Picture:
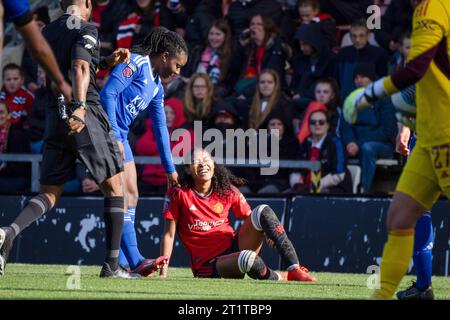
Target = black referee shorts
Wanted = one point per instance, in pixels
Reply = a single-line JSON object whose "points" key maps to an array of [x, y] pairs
{"points": [[95, 146]]}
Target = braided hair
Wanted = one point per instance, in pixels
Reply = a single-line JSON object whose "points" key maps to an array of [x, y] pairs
{"points": [[161, 40]]}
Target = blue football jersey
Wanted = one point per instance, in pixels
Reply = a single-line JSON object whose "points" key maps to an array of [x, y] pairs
{"points": [[130, 89]]}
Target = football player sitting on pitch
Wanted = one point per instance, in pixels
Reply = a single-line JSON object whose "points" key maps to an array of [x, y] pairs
{"points": [[198, 212]]}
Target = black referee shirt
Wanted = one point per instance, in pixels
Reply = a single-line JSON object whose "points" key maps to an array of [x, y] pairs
{"points": [[72, 38]]}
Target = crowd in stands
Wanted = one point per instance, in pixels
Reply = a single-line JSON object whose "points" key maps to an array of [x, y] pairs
{"points": [[281, 65]]}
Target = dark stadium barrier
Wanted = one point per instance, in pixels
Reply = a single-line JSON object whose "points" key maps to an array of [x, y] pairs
{"points": [[334, 234]]}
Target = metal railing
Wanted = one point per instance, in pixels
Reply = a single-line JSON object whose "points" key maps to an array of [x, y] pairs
{"points": [[35, 160]]}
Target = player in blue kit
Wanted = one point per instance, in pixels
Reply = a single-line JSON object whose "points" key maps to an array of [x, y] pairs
{"points": [[423, 236], [130, 89]]}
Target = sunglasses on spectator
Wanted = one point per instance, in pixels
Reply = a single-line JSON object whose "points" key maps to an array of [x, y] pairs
{"points": [[319, 122]]}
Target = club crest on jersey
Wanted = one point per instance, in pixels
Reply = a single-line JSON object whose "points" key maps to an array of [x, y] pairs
{"points": [[218, 207], [127, 72]]}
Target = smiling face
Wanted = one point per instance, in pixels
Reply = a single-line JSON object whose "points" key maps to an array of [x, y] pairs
{"points": [[4, 114], [202, 167], [170, 66], [266, 85], [216, 38]]}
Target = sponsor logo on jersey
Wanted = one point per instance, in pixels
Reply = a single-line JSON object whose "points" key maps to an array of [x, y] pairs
{"points": [[136, 105], [205, 225]]}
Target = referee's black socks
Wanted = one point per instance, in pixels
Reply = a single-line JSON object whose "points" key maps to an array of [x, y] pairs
{"points": [[35, 208], [113, 215]]}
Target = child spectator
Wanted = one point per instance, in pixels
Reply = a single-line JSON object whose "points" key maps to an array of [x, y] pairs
{"points": [[309, 13], [14, 176], [15, 95], [360, 52], [373, 135]]}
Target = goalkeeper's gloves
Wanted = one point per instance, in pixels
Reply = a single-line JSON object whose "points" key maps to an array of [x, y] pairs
{"points": [[362, 98]]}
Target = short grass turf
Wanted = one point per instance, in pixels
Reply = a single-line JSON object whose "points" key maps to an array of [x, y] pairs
{"points": [[26, 281]]}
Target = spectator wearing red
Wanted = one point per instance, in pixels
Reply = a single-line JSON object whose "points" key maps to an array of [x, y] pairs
{"points": [[15, 95], [14, 176], [153, 177]]}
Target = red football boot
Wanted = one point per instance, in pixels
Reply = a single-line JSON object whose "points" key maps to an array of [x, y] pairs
{"points": [[148, 266], [300, 274]]}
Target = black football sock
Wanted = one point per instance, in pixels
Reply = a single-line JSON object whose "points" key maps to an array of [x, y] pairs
{"points": [[35, 208], [264, 219], [252, 264], [113, 215]]}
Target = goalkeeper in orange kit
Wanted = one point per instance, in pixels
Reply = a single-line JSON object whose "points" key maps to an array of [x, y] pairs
{"points": [[427, 172]]}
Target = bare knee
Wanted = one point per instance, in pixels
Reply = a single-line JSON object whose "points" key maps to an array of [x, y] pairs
{"points": [[403, 212], [52, 193], [112, 187]]}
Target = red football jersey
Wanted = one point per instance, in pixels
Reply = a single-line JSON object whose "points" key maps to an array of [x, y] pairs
{"points": [[202, 222], [20, 105]]}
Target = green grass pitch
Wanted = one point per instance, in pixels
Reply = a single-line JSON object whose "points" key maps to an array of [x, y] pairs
{"points": [[26, 281]]}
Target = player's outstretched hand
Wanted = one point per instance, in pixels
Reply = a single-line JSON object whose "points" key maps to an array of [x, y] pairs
{"points": [[351, 104], [76, 121], [118, 56], [172, 180]]}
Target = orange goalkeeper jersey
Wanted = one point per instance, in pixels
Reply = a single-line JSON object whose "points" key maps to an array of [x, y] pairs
{"points": [[428, 66]]}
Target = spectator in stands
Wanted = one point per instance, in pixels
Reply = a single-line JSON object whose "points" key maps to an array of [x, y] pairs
{"points": [[198, 98], [268, 97], [396, 20], [309, 13], [373, 135], [327, 92], [240, 12], [398, 59], [147, 14], [18, 98], [14, 176], [29, 65], [132, 30], [346, 11], [259, 47], [153, 177], [311, 63], [106, 16], [325, 147], [278, 124], [213, 58], [199, 23], [36, 118], [360, 52]]}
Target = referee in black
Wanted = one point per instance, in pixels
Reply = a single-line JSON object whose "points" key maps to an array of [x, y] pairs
{"points": [[80, 130]]}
